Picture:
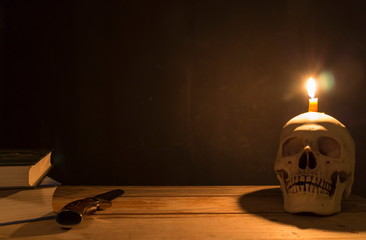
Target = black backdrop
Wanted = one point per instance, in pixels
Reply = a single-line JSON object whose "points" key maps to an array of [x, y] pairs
{"points": [[175, 92]]}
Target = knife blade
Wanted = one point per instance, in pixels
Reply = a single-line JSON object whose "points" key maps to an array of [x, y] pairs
{"points": [[73, 213]]}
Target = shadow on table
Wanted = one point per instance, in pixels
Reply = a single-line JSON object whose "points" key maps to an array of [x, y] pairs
{"points": [[37, 228], [45, 228], [268, 204]]}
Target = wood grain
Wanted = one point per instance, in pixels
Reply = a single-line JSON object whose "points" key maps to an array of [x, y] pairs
{"points": [[212, 212], [188, 199]]}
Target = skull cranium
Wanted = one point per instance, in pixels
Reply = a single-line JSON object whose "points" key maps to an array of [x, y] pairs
{"points": [[315, 163]]}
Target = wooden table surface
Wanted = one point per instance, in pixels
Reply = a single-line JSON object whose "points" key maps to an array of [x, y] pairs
{"points": [[195, 213]]}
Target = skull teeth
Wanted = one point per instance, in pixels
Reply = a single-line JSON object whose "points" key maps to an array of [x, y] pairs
{"points": [[310, 184]]}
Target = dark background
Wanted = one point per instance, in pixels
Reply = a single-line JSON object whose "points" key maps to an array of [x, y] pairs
{"points": [[175, 92]]}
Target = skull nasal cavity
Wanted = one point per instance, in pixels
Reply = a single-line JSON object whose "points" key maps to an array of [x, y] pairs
{"points": [[307, 159]]}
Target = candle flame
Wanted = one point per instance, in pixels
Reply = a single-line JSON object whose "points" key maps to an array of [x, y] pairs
{"points": [[311, 87]]}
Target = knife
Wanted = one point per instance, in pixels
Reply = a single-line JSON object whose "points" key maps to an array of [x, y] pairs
{"points": [[73, 213]]}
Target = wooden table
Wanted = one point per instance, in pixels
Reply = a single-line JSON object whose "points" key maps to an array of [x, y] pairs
{"points": [[195, 213]]}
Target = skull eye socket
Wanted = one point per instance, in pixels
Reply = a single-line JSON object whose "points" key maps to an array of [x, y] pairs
{"points": [[329, 147], [291, 146]]}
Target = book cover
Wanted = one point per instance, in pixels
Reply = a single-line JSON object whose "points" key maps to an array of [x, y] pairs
{"points": [[22, 157]]}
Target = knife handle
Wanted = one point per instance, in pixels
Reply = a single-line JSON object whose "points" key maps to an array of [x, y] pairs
{"points": [[73, 213]]}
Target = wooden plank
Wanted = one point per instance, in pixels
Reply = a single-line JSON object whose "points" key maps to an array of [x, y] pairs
{"points": [[160, 191], [154, 200], [197, 227], [177, 213], [158, 205]]}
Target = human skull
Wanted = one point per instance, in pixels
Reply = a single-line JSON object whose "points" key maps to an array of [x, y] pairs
{"points": [[315, 164]]}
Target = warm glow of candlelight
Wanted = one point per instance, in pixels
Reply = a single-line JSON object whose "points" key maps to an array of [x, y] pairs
{"points": [[311, 87], [313, 102]]}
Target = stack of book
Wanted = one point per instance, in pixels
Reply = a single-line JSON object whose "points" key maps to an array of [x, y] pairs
{"points": [[25, 191]]}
